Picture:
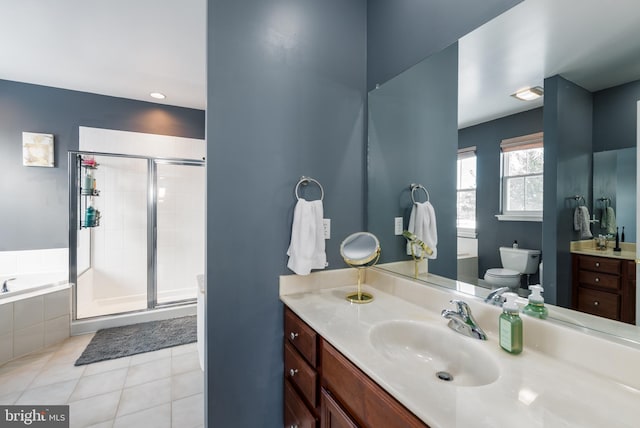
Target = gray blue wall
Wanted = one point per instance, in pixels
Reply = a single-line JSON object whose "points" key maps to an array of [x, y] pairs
{"points": [[492, 233], [286, 97], [35, 206], [412, 139], [568, 130], [402, 33], [615, 117]]}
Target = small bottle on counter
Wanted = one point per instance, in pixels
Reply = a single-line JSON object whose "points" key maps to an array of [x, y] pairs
{"points": [[515, 244], [510, 325], [535, 307], [622, 236]]}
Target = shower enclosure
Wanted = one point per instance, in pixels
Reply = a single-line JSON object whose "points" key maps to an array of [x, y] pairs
{"points": [[136, 232]]}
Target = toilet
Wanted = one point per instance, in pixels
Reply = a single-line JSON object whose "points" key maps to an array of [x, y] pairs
{"points": [[515, 262]]}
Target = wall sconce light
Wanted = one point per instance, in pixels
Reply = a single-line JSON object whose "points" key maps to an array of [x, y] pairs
{"points": [[529, 94]]}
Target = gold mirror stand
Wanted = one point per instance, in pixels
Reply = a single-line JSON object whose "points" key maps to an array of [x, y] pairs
{"points": [[359, 296]]}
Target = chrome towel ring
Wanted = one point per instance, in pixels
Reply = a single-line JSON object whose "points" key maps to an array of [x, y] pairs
{"points": [[305, 181], [415, 187]]}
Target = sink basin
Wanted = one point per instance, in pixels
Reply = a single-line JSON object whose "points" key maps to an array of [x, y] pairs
{"points": [[437, 353]]}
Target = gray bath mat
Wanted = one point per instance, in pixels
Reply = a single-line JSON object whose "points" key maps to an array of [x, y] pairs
{"points": [[118, 342]]}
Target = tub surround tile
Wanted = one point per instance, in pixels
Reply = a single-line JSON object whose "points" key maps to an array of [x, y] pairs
{"points": [[6, 318], [27, 340], [8, 263], [56, 330], [6, 347], [28, 312], [57, 304]]}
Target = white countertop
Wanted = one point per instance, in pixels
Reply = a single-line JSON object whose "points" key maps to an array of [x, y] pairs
{"points": [[534, 389]]}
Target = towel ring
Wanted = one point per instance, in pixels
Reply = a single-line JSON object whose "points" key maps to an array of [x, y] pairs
{"points": [[415, 187], [577, 198], [306, 180]]}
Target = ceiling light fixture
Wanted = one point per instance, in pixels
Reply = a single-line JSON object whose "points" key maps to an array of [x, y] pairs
{"points": [[157, 95], [529, 94]]}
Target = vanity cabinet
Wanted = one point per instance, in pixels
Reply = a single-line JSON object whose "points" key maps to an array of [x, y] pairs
{"points": [[604, 286], [323, 387], [301, 406]]}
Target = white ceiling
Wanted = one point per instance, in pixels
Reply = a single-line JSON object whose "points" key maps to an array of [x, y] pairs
{"points": [[129, 48], [122, 48], [593, 43]]}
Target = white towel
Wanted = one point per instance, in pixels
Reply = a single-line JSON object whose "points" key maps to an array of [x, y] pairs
{"points": [[611, 221], [306, 249], [422, 223], [581, 222]]}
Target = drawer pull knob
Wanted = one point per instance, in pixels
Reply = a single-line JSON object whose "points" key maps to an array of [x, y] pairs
{"points": [[293, 372], [597, 279], [597, 264], [293, 335], [596, 303]]}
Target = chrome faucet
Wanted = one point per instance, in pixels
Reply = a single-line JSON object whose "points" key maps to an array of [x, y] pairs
{"points": [[495, 297], [4, 285], [462, 321]]}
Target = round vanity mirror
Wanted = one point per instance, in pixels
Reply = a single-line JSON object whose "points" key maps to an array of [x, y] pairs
{"points": [[360, 250]]}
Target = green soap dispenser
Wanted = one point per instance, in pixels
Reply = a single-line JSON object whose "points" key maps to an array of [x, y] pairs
{"points": [[536, 307], [510, 325]]}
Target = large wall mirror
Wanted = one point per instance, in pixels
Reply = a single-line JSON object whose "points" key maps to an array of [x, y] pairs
{"points": [[450, 122]]}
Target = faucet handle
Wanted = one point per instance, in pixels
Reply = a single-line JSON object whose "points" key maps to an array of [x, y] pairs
{"points": [[462, 307]]}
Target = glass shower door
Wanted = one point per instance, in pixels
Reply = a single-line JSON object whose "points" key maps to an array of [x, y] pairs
{"points": [[180, 239], [112, 252]]}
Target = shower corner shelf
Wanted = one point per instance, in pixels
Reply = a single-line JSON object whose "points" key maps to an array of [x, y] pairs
{"points": [[86, 194]]}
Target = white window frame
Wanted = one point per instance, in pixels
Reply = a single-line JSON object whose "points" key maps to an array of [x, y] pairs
{"points": [[513, 144], [467, 232]]}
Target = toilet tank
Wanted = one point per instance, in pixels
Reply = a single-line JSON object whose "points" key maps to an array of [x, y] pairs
{"points": [[520, 259]]}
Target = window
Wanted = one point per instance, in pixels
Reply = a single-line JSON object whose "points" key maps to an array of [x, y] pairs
{"points": [[466, 186], [522, 178]]}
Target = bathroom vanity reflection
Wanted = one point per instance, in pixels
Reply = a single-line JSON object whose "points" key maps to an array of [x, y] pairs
{"points": [[394, 162]]}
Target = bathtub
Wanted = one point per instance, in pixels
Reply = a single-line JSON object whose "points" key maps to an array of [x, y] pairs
{"points": [[34, 314]]}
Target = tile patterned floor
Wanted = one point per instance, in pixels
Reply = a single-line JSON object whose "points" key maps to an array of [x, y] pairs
{"points": [[160, 389]]}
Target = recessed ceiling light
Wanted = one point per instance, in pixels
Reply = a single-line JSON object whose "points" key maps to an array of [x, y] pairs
{"points": [[529, 94], [157, 95]]}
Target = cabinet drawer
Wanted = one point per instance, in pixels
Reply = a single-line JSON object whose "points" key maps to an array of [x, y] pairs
{"points": [[600, 280], [332, 415], [600, 264], [367, 403], [296, 413], [301, 336], [599, 303], [299, 373]]}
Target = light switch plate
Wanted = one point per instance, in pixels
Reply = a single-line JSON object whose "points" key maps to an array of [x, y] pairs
{"points": [[327, 228], [398, 226]]}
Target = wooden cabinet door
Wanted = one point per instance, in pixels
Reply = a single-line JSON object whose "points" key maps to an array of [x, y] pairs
{"points": [[367, 403], [332, 415], [296, 413]]}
